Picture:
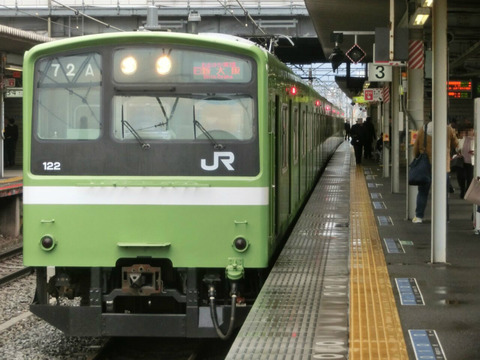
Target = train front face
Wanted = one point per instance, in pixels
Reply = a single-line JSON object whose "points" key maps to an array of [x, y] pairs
{"points": [[142, 185]]}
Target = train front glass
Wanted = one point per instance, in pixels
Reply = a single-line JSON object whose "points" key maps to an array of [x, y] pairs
{"points": [[145, 110]]}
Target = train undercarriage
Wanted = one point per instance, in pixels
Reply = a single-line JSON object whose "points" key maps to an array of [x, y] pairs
{"points": [[144, 299]]}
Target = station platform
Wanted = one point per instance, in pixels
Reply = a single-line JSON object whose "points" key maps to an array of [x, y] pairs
{"points": [[12, 182], [11, 190], [355, 281]]}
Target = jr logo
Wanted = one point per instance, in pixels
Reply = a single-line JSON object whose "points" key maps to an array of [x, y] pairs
{"points": [[226, 157]]}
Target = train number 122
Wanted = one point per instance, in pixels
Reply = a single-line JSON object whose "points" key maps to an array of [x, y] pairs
{"points": [[51, 166]]}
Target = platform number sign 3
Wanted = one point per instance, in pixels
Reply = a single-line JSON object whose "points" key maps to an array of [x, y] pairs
{"points": [[379, 72]]}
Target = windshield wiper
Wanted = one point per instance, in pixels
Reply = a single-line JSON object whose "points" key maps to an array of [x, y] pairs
{"points": [[205, 132], [145, 146], [125, 123]]}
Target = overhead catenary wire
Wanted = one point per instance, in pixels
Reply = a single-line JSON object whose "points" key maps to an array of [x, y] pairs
{"points": [[245, 11], [36, 16], [247, 14], [230, 11], [78, 12]]}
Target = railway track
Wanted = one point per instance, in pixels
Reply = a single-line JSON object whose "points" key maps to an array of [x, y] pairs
{"points": [[11, 266], [162, 348]]}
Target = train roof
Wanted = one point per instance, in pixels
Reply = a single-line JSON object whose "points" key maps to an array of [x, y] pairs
{"points": [[203, 38]]}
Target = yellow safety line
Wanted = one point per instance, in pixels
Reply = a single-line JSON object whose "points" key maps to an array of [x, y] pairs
{"points": [[375, 328], [11, 179]]}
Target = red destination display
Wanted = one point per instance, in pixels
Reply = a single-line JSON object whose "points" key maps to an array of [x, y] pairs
{"points": [[460, 89], [217, 71]]}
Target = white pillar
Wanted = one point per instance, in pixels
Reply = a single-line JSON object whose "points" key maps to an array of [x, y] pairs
{"points": [[439, 145], [395, 136]]}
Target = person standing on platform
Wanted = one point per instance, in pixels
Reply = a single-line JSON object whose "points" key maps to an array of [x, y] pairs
{"points": [[370, 137], [356, 133], [11, 137], [418, 148], [465, 174], [347, 129]]}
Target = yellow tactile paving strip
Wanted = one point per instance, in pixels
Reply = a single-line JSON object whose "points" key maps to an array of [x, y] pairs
{"points": [[11, 179], [375, 328]]}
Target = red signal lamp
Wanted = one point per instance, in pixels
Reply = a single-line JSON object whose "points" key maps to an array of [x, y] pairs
{"points": [[318, 103], [292, 90]]}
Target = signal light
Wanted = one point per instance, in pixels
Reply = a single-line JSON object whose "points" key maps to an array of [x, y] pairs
{"points": [[336, 58], [292, 90], [317, 103]]}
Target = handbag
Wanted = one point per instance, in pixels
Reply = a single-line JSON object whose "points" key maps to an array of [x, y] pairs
{"points": [[420, 171], [473, 193], [456, 162]]}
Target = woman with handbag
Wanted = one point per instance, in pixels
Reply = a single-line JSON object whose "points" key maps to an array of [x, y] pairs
{"points": [[423, 144]]}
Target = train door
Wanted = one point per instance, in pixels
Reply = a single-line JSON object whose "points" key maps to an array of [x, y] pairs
{"points": [[294, 163], [282, 193], [303, 154], [309, 151], [316, 142], [273, 158]]}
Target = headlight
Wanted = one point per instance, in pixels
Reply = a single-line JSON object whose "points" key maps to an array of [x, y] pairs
{"points": [[128, 65], [47, 242], [240, 244], [164, 65]]}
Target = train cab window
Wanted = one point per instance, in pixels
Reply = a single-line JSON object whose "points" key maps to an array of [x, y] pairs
{"points": [[221, 117], [68, 92]]}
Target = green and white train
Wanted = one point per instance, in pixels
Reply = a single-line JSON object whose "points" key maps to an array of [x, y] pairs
{"points": [[162, 172]]}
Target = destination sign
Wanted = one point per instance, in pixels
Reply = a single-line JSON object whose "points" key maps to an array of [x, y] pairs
{"points": [[217, 71]]}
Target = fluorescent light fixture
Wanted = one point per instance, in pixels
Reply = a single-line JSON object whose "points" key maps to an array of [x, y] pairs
{"points": [[420, 17], [13, 67], [427, 3]]}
